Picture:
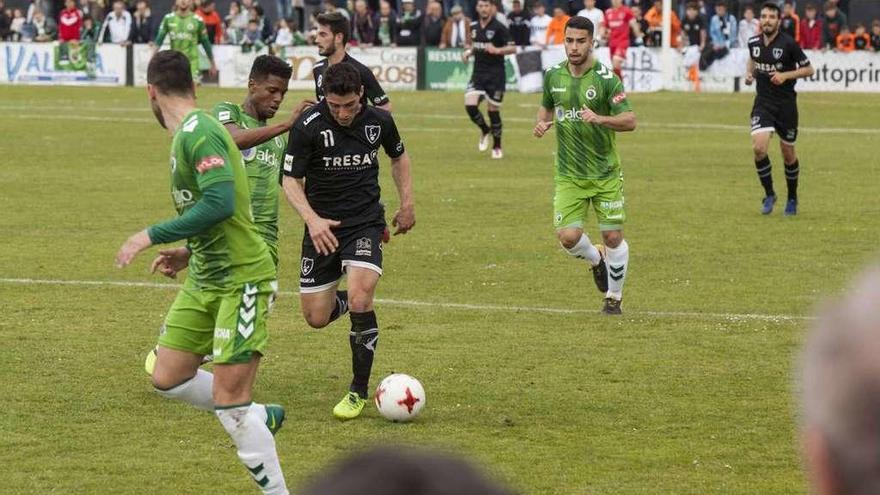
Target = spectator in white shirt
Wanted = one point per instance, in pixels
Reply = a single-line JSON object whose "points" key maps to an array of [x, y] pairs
{"points": [[748, 26], [118, 23], [540, 21], [597, 16]]}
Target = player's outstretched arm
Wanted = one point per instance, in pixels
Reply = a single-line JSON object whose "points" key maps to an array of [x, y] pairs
{"points": [[622, 122], [216, 205], [248, 138], [405, 217], [544, 122], [319, 228]]}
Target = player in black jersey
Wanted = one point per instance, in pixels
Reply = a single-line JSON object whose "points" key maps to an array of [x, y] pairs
{"points": [[491, 42], [331, 178], [776, 62], [334, 31]]}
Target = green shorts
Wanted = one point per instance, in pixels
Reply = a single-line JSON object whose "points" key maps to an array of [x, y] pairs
{"points": [[230, 324], [573, 196]]}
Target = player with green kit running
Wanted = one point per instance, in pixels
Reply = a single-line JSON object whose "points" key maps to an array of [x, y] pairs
{"points": [[223, 305], [187, 31], [587, 103]]}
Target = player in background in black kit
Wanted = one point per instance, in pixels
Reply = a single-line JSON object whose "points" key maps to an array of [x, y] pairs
{"points": [[334, 31], [331, 178], [776, 62], [491, 42]]}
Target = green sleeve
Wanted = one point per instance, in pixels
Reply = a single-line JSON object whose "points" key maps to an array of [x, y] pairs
{"points": [[216, 204], [207, 150], [160, 36], [205, 41], [547, 99], [617, 100], [226, 113]]}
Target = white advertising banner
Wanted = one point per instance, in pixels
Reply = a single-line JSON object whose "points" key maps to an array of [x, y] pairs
{"points": [[641, 70], [394, 68], [854, 71], [51, 63]]}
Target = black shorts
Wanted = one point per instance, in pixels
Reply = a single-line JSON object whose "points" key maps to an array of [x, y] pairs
{"points": [[358, 246], [776, 115], [488, 85]]}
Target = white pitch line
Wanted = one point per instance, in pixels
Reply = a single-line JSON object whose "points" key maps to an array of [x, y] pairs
{"points": [[433, 304], [654, 126]]}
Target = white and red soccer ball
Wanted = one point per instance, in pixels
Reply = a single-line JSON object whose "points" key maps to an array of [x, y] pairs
{"points": [[399, 397]]}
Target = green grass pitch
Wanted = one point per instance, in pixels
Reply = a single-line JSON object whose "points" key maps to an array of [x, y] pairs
{"points": [[690, 392]]}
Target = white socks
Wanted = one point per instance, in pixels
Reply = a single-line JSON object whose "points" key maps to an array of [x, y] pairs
{"points": [[586, 250], [197, 391], [256, 445], [616, 259]]}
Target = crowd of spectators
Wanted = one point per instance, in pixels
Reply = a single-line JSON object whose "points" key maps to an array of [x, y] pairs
{"points": [[715, 26]]}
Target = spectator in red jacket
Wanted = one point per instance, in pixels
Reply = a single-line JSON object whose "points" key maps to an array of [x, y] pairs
{"points": [[213, 22], [69, 22], [811, 29]]}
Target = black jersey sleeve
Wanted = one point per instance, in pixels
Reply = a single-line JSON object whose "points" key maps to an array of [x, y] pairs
{"points": [[797, 54], [502, 36], [299, 152], [372, 89], [391, 141]]}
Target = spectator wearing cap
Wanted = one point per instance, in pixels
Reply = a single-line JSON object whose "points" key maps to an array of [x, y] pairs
{"points": [[519, 25], [457, 31], [409, 24], [432, 27], [811, 29]]}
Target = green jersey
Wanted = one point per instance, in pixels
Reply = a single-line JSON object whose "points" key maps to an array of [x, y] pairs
{"points": [[263, 165], [231, 253], [186, 33], [585, 151]]}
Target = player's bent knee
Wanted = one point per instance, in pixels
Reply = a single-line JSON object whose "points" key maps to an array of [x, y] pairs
{"points": [[360, 301], [568, 237], [316, 319], [612, 238]]}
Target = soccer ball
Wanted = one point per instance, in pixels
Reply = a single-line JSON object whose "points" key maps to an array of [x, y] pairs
{"points": [[399, 397]]}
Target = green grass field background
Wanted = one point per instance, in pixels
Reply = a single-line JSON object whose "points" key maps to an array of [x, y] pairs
{"points": [[690, 392]]}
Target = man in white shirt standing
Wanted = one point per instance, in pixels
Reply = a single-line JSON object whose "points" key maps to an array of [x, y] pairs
{"points": [[540, 20], [597, 16], [118, 22]]}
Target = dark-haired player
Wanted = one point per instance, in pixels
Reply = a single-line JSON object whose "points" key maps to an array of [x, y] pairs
{"points": [[331, 178], [334, 31], [776, 62], [223, 305], [491, 42], [262, 147], [589, 106]]}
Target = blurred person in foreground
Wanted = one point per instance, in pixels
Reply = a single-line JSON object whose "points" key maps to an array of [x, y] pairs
{"points": [[402, 471], [840, 393]]}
